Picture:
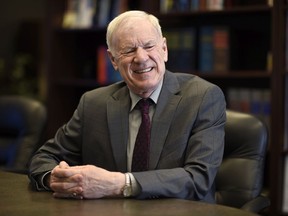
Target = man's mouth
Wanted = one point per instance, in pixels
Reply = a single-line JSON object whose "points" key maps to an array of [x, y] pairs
{"points": [[143, 71]]}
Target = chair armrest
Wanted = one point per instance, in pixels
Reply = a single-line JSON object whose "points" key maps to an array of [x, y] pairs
{"points": [[257, 204]]}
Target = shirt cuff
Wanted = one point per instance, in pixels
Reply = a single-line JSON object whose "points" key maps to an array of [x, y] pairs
{"points": [[43, 182], [136, 188]]}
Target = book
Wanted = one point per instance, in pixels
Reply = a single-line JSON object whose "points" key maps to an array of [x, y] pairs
{"points": [[232, 98], [79, 14], [214, 4], [220, 49], [266, 107], [194, 5], [103, 12], [214, 49], [92, 13], [256, 102], [167, 6], [70, 15], [202, 4], [113, 75], [101, 73], [105, 73], [244, 100], [181, 49], [205, 63], [117, 7]]}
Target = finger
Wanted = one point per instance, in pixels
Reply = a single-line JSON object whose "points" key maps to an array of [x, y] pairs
{"points": [[65, 183], [75, 191], [66, 187], [64, 172], [63, 186], [63, 165], [68, 195]]}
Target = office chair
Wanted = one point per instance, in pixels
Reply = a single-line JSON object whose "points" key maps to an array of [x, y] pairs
{"points": [[22, 123], [239, 181]]}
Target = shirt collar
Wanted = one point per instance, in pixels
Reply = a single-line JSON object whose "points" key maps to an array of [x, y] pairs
{"points": [[154, 96]]}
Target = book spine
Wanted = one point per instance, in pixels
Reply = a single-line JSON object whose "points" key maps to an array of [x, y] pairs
{"points": [[101, 73], [206, 49], [104, 12], [79, 14], [70, 15], [194, 5], [221, 49], [113, 76], [172, 38]]}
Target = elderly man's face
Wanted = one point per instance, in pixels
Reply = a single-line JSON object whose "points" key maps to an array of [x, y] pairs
{"points": [[139, 54]]}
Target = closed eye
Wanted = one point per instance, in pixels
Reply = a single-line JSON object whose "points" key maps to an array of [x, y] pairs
{"points": [[149, 47]]}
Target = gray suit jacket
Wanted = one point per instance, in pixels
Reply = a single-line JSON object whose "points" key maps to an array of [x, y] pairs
{"points": [[187, 137]]}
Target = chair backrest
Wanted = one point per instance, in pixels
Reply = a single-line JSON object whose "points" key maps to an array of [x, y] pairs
{"points": [[240, 177], [22, 122]]}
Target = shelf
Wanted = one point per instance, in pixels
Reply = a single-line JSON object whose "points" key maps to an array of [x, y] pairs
{"points": [[229, 11], [80, 83], [236, 75], [81, 30], [236, 9]]}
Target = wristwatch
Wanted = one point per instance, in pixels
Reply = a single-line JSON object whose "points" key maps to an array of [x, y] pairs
{"points": [[127, 189]]}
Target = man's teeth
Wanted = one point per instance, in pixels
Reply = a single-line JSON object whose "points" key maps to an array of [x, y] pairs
{"points": [[143, 71]]}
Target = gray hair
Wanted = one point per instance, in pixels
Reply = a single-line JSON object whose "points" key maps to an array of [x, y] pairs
{"points": [[124, 18]]}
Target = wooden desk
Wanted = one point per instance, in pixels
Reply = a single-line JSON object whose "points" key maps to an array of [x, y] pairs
{"points": [[16, 198]]}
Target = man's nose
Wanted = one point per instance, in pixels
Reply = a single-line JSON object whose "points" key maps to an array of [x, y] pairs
{"points": [[141, 55]]}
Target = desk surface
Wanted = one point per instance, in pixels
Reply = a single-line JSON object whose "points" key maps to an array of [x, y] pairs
{"points": [[16, 198]]}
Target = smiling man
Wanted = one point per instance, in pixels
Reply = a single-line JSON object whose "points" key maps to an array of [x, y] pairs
{"points": [[96, 154]]}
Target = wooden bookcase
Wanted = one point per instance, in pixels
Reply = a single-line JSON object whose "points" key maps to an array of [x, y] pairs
{"points": [[277, 106], [258, 29]]}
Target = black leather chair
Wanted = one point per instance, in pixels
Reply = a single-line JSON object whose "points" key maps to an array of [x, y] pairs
{"points": [[239, 181], [22, 123]]}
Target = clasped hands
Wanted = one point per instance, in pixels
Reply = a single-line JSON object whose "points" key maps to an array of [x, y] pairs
{"points": [[85, 182]]}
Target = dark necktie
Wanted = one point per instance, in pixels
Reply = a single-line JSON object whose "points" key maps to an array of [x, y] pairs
{"points": [[141, 149]]}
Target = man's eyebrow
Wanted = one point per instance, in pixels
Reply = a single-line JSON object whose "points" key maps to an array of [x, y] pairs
{"points": [[150, 42]]}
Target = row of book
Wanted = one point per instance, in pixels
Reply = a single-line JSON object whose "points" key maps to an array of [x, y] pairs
{"points": [[251, 100], [91, 13], [168, 6], [206, 52]]}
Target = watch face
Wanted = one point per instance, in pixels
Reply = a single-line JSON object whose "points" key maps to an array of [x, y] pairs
{"points": [[127, 191]]}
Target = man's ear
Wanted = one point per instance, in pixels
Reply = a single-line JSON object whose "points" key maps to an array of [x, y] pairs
{"points": [[112, 59], [165, 49]]}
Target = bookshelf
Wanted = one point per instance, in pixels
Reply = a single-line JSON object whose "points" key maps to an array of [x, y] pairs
{"points": [[256, 32]]}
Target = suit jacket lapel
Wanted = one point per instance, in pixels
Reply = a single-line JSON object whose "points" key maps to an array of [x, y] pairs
{"points": [[164, 113], [117, 114]]}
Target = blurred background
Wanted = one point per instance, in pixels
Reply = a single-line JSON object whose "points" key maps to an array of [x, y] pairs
{"points": [[21, 47]]}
